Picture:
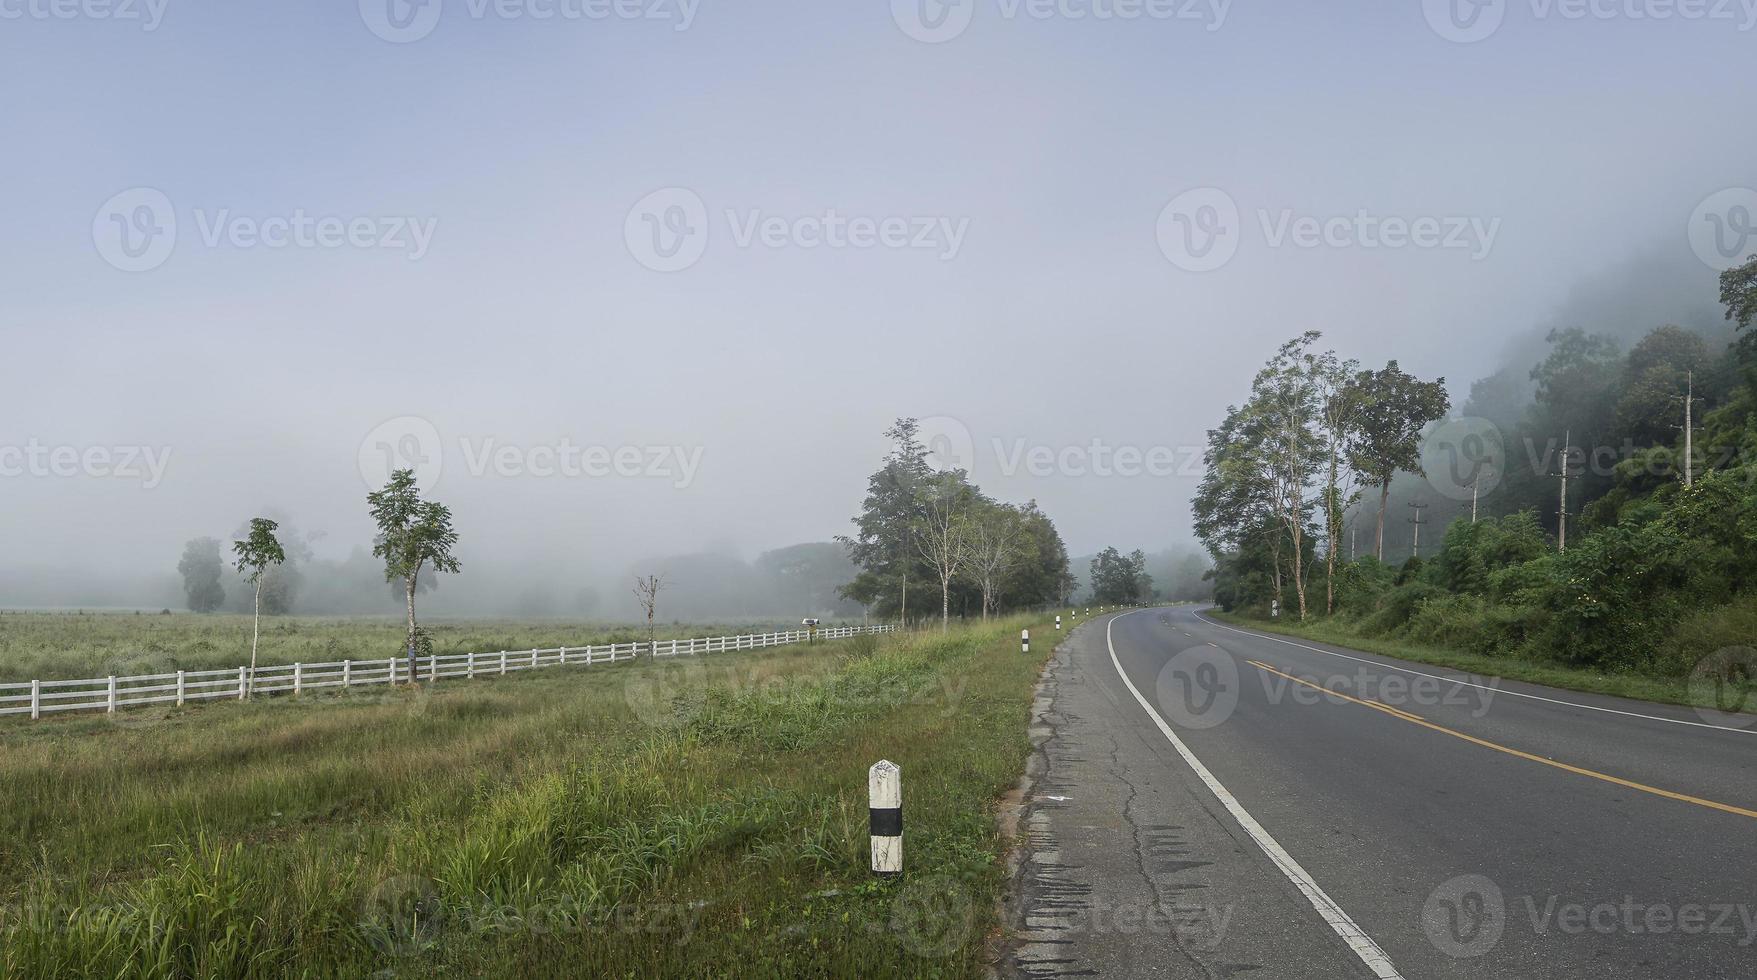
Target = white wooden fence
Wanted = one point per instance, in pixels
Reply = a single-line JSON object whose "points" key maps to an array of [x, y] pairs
{"points": [[113, 694]]}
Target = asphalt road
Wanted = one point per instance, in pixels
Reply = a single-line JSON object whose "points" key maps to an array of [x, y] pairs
{"points": [[1210, 802]]}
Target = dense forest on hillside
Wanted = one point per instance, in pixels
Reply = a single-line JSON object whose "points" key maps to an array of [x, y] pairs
{"points": [[1647, 560]]}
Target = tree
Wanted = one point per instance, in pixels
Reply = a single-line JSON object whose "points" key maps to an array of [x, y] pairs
{"points": [[259, 551], [884, 547], [1738, 293], [646, 590], [1393, 408], [999, 542], [1119, 580], [1338, 419], [942, 532], [412, 534], [1043, 577], [201, 567], [1655, 377], [1284, 413]]}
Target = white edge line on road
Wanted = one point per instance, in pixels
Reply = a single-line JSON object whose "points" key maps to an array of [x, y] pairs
{"points": [[1480, 687], [1338, 920]]}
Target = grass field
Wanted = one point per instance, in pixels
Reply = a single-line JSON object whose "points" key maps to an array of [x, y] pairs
{"points": [[695, 817], [1662, 690], [58, 645]]}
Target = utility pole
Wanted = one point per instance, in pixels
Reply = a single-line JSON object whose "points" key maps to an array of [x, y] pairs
{"points": [[1418, 521], [1689, 427], [1562, 507], [1474, 484]]}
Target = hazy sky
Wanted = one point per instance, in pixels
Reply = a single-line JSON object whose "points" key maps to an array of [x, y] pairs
{"points": [[504, 191]]}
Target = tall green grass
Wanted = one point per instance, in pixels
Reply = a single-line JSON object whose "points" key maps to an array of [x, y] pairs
{"points": [[688, 817]]}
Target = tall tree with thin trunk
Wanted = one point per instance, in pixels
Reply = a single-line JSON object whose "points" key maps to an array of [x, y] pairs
{"points": [[1338, 410], [942, 532], [412, 534], [1394, 408], [1285, 410], [999, 542], [259, 551]]}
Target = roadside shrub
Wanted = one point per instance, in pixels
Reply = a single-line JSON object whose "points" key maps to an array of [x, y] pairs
{"points": [[1703, 632], [1360, 585], [1398, 606], [1473, 553]]}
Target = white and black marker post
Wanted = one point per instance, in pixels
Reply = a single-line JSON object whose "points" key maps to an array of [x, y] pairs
{"points": [[1025, 641], [884, 786], [1058, 621]]}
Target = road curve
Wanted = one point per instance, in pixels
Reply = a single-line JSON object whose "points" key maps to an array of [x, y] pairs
{"points": [[1215, 802]]}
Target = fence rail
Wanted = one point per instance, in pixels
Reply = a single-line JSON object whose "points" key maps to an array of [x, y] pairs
{"points": [[112, 694]]}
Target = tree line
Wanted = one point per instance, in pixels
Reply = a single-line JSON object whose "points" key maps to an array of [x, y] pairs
{"points": [[1283, 467], [928, 539], [1616, 525]]}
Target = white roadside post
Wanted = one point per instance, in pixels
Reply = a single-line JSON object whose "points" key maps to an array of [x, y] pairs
{"points": [[1025, 641], [1058, 621], [884, 785]]}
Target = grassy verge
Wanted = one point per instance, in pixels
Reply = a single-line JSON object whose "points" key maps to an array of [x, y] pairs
{"points": [[1659, 690], [693, 817]]}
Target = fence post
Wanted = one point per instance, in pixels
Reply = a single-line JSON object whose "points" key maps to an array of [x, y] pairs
{"points": [[111, 709], [347, 673], [36, 699], [243, 688], [884, 787], [503, 661], [470, 667], [564, 655], [433, 668], [298, 679], [1025, 641], [179, 689], [533, 658], [392, 673]]}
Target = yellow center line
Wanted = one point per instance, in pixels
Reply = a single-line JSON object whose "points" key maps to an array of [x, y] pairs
{"points": [[1614, 780]]}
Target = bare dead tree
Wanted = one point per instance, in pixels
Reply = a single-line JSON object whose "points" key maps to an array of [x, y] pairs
{"points": [[646, 589]]}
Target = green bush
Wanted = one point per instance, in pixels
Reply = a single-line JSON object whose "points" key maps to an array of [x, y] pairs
{"points": [[1704, 632]]}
